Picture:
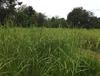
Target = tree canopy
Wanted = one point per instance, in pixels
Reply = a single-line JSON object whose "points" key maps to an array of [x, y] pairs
{"points": [[26, 16], [79, 17], [7, 9]]}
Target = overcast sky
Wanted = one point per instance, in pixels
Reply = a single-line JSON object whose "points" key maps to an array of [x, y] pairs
{"points": [[62, 7]]}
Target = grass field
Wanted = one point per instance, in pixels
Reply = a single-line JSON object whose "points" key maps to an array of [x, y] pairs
{"points": [[49, 52]]}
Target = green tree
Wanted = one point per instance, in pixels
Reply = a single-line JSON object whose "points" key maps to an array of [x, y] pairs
{"points": [[56, 22], [80, 17], [7, 9], [25, 16], [41, 19]]}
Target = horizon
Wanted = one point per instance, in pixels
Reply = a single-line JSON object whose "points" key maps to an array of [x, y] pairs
{"points": [[61, 8]]}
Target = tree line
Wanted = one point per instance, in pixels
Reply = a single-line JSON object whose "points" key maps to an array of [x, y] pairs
{"points": [[14, 13]]}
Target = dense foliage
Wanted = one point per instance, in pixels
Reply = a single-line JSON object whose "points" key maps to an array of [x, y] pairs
{"points": [[49, 52], [14, 13], [82, 18], [7, 9]]}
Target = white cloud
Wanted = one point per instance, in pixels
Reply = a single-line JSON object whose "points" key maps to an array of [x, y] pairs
{"points": [[62, 7]]}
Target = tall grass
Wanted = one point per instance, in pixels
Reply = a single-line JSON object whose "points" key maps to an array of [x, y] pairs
{"points": [[48, 52]]}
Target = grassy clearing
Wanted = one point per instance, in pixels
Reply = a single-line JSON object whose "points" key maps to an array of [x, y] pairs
{"points": [[49, 52]]}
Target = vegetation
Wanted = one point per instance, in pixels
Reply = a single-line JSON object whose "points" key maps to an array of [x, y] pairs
{"points": [[8, 10], [14, 13], [49, 52], [81, 18]]}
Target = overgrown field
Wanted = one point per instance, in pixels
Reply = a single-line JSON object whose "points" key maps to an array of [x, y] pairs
{"points": [[49, 52]]}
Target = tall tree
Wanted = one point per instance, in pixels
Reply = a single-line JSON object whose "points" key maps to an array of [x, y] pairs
{"points": [[7, 7], [41, 18], [25, 16], [80, 17]]}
